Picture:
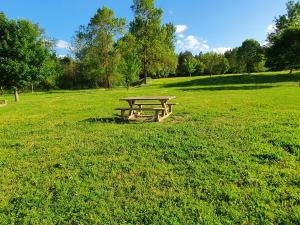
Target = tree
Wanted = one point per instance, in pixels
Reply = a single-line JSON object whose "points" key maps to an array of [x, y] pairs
{"points": [[155, 42], [250, 54], [290, 19], [70, 76], [130, 66], [25, 54], [223, 64], [95, 47], [182, 57], [190, 65], [234, 65], [200, 67], [215, 63], [284, 52], [209, 59]]}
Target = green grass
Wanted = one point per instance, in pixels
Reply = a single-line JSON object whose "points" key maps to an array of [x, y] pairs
{"points": [[228, 155]]}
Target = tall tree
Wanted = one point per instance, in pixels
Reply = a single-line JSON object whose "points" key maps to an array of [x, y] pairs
{"points": [[95, 47], [284, 52], [25, 54], [250, 54], [155, 42]]}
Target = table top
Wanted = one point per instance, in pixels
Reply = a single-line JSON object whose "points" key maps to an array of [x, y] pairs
{"points": [[148, 98]]}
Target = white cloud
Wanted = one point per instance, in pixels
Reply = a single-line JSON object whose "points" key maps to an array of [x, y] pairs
{"points": [[181, 35], [193, 44], [221, 50], [61, 44], [62, 56], [271, 28], [181, 28]]}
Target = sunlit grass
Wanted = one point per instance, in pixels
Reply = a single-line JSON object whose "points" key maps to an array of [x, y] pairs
{"points": [[228, 155]]}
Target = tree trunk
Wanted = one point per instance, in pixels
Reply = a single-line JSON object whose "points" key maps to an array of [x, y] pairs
{"points": [[32, 88], [145, 77], [17, 98], [145, 65], [1, 90], [291, 71]]}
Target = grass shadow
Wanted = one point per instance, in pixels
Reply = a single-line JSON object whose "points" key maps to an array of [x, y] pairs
{"points": [[112, 120], [238, 79], [118, 120], [228, 88]]}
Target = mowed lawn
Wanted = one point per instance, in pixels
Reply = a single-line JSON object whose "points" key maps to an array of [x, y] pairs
{"points": [[230, 154]]}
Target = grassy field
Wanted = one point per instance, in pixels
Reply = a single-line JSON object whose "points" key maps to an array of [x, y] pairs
{"points": [[228, 155]]}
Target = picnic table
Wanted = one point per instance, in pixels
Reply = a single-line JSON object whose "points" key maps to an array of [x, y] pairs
{"points": [[162, 108]]}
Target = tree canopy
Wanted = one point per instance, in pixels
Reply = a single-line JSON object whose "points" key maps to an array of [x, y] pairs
{"points": [[250, 54], [25, 54], [290, 19]]}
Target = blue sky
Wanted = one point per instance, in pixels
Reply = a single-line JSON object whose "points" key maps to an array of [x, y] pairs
{"points": [[202, 25]]}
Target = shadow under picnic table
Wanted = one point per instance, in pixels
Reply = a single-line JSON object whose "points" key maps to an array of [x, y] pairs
{"points": [[115, 120]]}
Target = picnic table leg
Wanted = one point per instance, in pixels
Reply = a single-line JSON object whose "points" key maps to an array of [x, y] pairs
{"points": [[123, 114], [141, 109], [164, 105], [157, 117], [170, 109], [131, 105]]}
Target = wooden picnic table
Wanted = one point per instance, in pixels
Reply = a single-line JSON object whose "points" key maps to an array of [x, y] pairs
{"points": [[161, 113]]}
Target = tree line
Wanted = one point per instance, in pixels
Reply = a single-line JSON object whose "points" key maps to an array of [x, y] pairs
{"points": [[109, 52]]}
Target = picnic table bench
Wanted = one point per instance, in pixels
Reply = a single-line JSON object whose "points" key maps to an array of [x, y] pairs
{"points": [[162, 109]]}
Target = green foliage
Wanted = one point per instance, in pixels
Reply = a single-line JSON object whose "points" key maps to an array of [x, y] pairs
{"points": [[290, 19], [24, 54], [284, 52], [200, 67], [155, 42], [130, 66], [250, 54], [70, 74], [182, 57], [283, 47], [234, 63], [227, 155], [190, 65], [95, 48], [215, 63]]}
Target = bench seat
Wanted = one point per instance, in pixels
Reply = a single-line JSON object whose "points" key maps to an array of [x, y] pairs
{"points": [[157, 116]]}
